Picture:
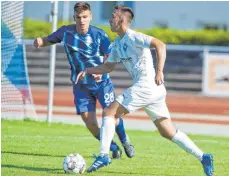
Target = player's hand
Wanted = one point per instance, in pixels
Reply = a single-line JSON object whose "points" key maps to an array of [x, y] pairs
{"points": [[38, 42], [159, 79], [97, 77], [80, 76]]}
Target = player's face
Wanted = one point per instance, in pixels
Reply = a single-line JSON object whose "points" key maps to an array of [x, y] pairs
{"points": [[115, 21], [83, 20]]}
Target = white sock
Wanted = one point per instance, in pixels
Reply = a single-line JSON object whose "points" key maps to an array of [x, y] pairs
{"points": [[183, 141], [107, 132]]}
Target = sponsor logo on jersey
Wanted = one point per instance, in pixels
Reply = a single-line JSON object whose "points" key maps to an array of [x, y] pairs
{"points": [[126, 59]]}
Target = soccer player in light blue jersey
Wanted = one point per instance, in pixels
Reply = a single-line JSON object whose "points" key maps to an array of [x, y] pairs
{"points": [[148, 91], [88, 46]]}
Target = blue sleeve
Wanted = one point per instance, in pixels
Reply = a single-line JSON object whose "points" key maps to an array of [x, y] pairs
{"points": [[105, 44], [57, 37]]}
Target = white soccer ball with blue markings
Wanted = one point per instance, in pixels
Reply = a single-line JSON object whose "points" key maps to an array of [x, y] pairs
{"points": [[74, 164]]}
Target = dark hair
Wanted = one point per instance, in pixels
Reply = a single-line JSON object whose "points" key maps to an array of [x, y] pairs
{"points": [[125, 9], [81, 6]]}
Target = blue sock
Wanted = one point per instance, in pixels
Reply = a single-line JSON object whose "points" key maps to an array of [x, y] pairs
{"points": [[121, 131], [113, 146]]}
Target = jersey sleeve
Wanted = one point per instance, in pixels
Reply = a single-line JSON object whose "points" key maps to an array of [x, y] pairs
{"points": [[57, 36], [113, 56], [142, 40], [105, 45]]}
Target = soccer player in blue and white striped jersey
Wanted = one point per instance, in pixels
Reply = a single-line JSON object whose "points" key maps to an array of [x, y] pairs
{"points": [[88, 46]]}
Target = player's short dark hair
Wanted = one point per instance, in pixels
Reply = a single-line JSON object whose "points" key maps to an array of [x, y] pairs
{"points": [[81, 6], [126, 9]]}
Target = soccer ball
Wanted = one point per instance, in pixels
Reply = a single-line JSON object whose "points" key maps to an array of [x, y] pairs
{"points": [[74, 164]]}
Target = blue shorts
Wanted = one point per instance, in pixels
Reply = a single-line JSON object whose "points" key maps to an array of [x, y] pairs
{"points": [[85, 96]]}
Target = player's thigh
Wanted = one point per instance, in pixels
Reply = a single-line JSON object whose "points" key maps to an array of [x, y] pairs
{"points": [[83, 99], [135, 97], [115, 109], [105, 93], [157, 110]]}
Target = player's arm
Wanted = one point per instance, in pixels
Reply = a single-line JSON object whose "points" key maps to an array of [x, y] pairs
{"points": [[146, 41], [98, 77], [41, 42], [161, 57], [55, 37], [105, 68], [111, 60]]}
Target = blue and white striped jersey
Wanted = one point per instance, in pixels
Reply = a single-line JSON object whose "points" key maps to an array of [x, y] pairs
{"points": [[83, 50]]}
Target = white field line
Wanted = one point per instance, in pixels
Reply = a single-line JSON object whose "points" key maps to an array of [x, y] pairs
{"points": [[48, 137], [64, 109], [146, 125], [212, 141]]}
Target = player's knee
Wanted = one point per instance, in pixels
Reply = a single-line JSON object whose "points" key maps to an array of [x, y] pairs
{"points": [[166, 135], [107, 112], [90, 122]]}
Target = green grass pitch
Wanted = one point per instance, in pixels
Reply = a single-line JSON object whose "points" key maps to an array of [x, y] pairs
{"points": [[32, 148]]}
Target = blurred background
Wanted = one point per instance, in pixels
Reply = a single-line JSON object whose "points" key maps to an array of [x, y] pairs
{"points": [[196, 70], [173, 15]]}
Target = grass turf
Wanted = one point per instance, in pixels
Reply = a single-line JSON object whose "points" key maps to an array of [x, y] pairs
{"points": [[37, 148]]}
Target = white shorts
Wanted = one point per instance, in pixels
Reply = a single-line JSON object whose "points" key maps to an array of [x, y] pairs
{"points": [[149, 97]]}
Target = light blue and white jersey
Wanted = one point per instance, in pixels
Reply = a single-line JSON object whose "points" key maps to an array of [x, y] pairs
{"points": [[83, 50], [133, 50]]}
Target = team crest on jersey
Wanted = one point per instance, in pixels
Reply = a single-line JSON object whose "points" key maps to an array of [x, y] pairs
{"points": [[125, 46]]}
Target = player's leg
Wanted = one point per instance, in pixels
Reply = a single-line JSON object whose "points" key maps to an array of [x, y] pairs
{"points": [[107, 132], [123, 104], [106, 96], [123, 137], [90, 121], [86, 106], [167, 130], [160, 115]]}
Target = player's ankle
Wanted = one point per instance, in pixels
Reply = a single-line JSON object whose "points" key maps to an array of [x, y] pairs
{"points": [[103, 154], [114, 147]]}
